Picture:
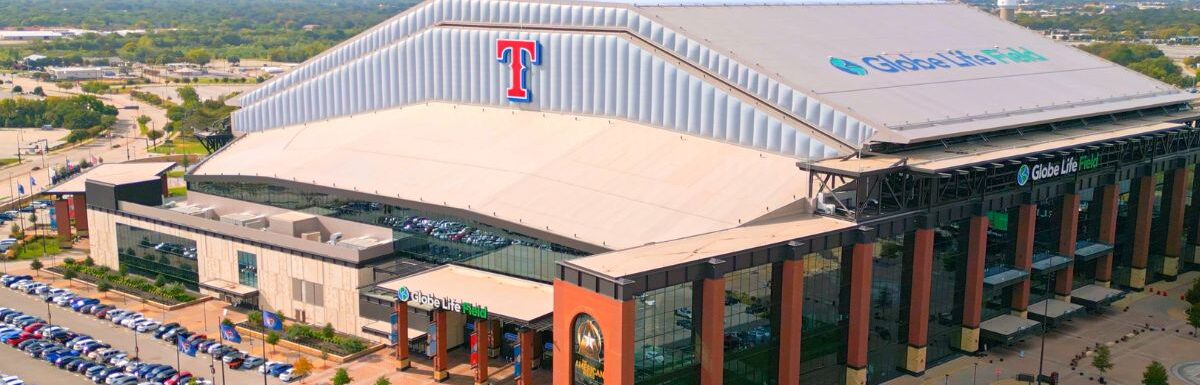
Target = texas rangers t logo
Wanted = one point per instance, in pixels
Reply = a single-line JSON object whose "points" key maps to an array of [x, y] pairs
{"points": [[515, 53]]}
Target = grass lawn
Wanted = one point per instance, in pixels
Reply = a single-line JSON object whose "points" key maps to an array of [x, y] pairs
{"points": [[7, 161], [177, 191], [180, 146], [175, 174], [33, 249]]}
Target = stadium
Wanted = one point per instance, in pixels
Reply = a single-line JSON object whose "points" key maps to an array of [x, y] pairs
{"points": [[621, 192]]}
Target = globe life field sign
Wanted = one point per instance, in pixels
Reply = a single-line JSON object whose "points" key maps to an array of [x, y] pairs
{"points": [[1056, 168], [442, 303], [949, 60]]}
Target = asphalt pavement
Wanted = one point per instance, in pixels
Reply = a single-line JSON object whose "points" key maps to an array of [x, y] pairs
{"points": [[150, 349]]}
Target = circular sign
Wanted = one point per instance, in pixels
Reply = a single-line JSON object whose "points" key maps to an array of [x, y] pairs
{"points": [[1023, 175], [403, 295], [847, 66]]}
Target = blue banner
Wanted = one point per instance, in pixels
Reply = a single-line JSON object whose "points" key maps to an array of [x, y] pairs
{"points": [[190, 350], [229, 333], [271, 321], [517, 366]]}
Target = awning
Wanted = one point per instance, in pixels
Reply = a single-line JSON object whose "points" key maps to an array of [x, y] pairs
{"points": [[384, 329], [1007, 328], [998, 277], [1047, 262], [476, 293], [1095, 296], [1053, 309], [113, 173], [234, 289], [1088, 250]]}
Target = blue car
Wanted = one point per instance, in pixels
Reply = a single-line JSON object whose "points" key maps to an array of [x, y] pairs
{"points": [[81, 302], [276, 371]]}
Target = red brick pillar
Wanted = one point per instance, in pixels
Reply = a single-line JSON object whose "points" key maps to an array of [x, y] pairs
{"points": [[481, 353], [973, 292], [1193, 214], [1141, 231], [616, 321], [1109, 201], [710, 348], [440, 359], [1023, 256], [62, 216], [791, 318], [919, 249], [525, 336], [1174, 210], [401, 330], [79, 203], [859, 310], [1068, 232]]}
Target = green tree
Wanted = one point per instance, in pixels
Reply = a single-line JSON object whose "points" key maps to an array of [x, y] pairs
{"points": [[154, 135], [188, 95], [103, 287], [39, 91], [1194, 318], [1193, 294], [65, 85], [272, 339], [69, 275], [1102, 360], [15, 231], [255, 318], [1155, 374], [89, 261], [343, 378], [226, 322], [18, 89], [160, 280], [36, 265], [382, 381], [327, 331], [199, 56]]}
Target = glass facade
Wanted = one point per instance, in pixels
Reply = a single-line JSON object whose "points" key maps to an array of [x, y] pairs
{"points": [[247, 269], [751, 343], [417, 234], [663, 348], [1123, 250], [885, 346], [945, 302], [1089, 229], [1126, 212], [823, 335], [153, 254], [1001, 246]]}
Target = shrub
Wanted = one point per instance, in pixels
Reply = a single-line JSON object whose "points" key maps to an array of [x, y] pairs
{"points": [[341, 377], [69, 261], [89, 261], [255, 318]]}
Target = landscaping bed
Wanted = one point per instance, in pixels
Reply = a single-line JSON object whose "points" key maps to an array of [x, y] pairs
{"points": [[318, 339], [167, 294]]}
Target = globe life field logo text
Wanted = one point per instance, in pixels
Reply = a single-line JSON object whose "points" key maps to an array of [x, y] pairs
{"points": [[952, 59], [1054, 168]]}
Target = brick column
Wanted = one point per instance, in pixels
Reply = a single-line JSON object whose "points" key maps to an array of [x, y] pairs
{"points": [[525, 336], [401, 330], [616, 320], [1064, 281], [1141, 231], [973, 292], [790, 278], [710, 343], [1023, 257], [481, 353], [1109, 200], [62, 215], [918, 250], [858, 332], [440, 359], [79, 203], [1193, 214], [1175, 191]]}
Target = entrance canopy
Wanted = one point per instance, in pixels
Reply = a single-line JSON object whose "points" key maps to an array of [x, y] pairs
{"points": [[114, 174], [1053, 310], [498, 296], [1007, 328], [1096, 295]]}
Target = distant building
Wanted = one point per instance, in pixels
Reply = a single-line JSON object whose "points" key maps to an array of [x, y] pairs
{"points": [[33, 58], [30, 35], [75, 73], [310, 27]]}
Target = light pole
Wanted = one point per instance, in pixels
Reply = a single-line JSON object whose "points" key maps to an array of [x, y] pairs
{"points": [[1045, 318], [975, 374], [49, 317]]}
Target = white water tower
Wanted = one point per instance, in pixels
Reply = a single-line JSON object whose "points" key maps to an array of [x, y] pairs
{"points": [[1007, 8]]}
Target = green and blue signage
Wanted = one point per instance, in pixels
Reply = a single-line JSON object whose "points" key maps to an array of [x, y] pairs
{"points": [[444, 303], [1056, 168], [951, 59]]}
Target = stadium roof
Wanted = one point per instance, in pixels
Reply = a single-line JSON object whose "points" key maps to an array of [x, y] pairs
{"points": [[115, 174], [607, 183]]}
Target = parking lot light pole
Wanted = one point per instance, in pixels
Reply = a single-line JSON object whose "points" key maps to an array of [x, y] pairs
{"points": [[49, 317]]}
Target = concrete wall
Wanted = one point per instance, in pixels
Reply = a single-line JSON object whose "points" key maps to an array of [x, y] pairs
{"points": [[218, 260]]}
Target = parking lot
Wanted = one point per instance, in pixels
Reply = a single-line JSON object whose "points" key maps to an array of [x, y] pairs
{"points": [[149, 349]]}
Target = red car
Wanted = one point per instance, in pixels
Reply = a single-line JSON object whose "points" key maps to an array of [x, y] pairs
{"points": [[179, 379], [34, 327], [21, 338]]}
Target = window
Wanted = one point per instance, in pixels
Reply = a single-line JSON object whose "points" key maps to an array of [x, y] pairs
{"points": [[153, 254], [247, 264], [297, 289]]}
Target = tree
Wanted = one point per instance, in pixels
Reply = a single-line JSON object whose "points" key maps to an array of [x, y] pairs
{"points": [[1155, 374], [18, 89], [15, 231], [382, 381], [343, 378], [198, 55], [1194, 318], [255, 318], [89, 261], [69, 275], [154, 135], [39, 91], [103, 287], [302, 367], [36, 265], [327, 331], [272, 339], [1102, 360], [65, 85], [233, 60], [160, 280], [226, 322], [1193, 294]]}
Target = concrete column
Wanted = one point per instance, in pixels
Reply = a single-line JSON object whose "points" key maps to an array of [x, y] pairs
{"points": [[1141, 231], [402, 355], [1064, 281], [858, 332], [481, 351], [62, 215], [973, 292], [710, 346], [791, 317], [441, 359], [79, 203], [918, 247], [1109, 200], [525, 336], [1023, 256], [1174, 210]]}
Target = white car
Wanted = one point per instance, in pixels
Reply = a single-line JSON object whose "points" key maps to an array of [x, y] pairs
{"points": [[143, 327], [118, 376], [130, 319], [289, 376], [77, 344], [263, 368]]}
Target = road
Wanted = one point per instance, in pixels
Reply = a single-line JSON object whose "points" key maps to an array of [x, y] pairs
{"points": [[131, 144], [122, 338]]}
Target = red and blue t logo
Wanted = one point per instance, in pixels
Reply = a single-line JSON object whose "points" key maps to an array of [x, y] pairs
{"points": [[519, 55]]}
